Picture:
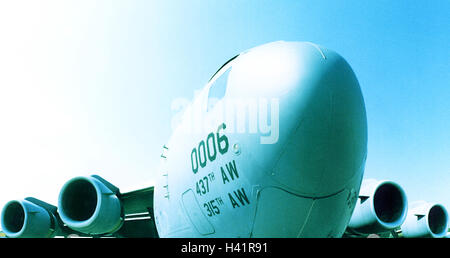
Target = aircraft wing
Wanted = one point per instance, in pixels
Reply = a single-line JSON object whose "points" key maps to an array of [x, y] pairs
{"points": [[138, 210]]}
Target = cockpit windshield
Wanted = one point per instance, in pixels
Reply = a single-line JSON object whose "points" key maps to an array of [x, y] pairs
{"points": [[222, 67]]}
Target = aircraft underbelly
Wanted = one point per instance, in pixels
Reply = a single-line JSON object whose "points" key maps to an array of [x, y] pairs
{"points": [[282, 214]]}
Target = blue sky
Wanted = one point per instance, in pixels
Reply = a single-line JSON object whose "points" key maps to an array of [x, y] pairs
{"points": [[87, 86]]}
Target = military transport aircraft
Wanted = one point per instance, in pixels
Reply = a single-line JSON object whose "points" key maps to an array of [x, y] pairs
{"points": [[273, 146]]}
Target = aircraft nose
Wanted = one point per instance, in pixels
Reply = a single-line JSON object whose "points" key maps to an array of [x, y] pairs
{"points": [[326, 127], [318, 127]]}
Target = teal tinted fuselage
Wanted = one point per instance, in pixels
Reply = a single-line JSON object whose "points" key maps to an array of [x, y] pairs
{"points": [[293, 168]]}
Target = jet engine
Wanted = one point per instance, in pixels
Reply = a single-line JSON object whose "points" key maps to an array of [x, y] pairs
{"points": [[29, 218], [426, 220], [90, 205], [381, 206]]}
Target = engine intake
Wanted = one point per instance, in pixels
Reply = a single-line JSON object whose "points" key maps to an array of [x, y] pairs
{"points": [[426, 220], [25, 219], [90, 205], [382, 206]]}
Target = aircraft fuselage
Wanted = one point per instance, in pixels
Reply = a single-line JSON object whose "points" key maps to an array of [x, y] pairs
{"points": [[273, 146]]}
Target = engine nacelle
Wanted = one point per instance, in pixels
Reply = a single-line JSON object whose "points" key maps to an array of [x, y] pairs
{"points": [[426, 220], [381, 206], [90, 205], [25, 219]]}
